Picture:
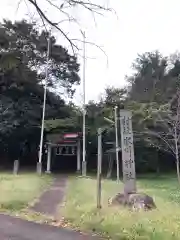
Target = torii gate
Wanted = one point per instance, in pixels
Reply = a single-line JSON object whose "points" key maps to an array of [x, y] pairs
{"points": [[70, 141]]}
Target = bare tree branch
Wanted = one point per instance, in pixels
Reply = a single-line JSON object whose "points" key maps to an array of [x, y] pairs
{"points": [[165, 123], [60, 9], [10, 105], [42, 15], [19, 2], [158, 147], [29, 13], [156, 134], [93, 44], [93, 8]]}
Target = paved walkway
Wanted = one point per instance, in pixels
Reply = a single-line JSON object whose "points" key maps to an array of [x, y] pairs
{"points": [[12, 228], [50, 200], [16, 229]]}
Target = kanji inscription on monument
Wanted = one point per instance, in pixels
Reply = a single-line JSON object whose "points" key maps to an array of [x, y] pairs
{"points": [[128, 164]]}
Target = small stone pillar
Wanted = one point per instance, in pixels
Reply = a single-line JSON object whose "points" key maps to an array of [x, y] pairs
{"points": [[16, 167], [39, 168], [49, 159], [39, 165], [78, 156]]}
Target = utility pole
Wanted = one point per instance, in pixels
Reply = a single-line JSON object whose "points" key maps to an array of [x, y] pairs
{"points": [[117, 142], [39, 164], [99, 168], [84, 106]]}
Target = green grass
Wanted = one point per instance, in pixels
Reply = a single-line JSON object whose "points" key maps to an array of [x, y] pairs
{"points": [[16, 192], [119, 223]]}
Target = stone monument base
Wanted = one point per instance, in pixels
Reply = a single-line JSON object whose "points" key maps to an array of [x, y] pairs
{"points": [[135, 201]]}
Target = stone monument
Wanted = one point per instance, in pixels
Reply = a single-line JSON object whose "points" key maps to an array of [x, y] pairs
{"points": [[129, 197], [127, 147]]}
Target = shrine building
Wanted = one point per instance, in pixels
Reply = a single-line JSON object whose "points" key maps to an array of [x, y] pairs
{"points": [[63, 152]]}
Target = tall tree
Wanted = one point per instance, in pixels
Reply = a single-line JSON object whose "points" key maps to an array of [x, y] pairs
{"points": [[153, 79], [23, 58], [164, 131], [26, 47]]}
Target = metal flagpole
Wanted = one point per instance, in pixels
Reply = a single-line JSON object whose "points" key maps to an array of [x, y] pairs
{"points": [[39, 166], [84, 106], [117, 142], [116, 135], [99, 167]]}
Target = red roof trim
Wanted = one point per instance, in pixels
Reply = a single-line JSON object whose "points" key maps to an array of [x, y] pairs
{"points": [[71, 135]]}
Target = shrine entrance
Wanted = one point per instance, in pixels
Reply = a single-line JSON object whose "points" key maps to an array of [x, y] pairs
{"points": [[64, 155]]}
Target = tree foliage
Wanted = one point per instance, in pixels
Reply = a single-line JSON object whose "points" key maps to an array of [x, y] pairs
{"points": [[23, 50], [152, 96]]}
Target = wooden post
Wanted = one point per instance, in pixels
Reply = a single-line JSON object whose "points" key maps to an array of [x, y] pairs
{"points": [[49, 159], [78, 156], [129, 174], [99, 168]]}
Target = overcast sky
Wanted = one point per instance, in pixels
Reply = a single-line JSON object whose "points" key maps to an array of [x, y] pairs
{"points": [[137, 26]]}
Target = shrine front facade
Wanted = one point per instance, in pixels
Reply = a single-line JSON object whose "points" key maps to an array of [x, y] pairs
{"points": [[63, 151]]}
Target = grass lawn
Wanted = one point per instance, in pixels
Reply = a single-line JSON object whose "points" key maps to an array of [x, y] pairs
{"points": [[119, 223], [17, 191]]}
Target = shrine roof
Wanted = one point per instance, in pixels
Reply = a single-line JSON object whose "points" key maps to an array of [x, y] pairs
{"points": [[59, 138]]}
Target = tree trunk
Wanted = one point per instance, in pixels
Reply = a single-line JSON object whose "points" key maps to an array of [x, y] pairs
{"points": [[177, 169], [177, 156]]}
